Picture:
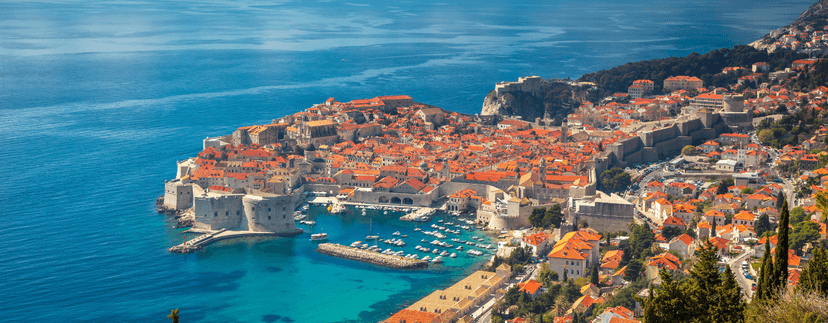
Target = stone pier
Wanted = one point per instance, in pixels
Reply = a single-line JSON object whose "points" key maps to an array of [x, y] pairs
{"points": [[392, 261]]}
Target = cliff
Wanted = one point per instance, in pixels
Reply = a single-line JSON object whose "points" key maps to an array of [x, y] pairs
{"points": [[555, 98]]}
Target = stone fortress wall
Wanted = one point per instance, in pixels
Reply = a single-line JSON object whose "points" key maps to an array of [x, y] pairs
{"points": [[259, 213], [531, 84]]}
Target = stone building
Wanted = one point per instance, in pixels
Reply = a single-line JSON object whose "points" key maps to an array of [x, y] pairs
{"points": [[603, 212], [682, 83]]}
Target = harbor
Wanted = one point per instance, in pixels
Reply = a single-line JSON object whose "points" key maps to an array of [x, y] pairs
{"points": [[386, 260]]}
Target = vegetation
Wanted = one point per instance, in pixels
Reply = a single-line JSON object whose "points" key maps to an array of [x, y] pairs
{"points": [[705, 296], [173, 316], [707, 67], [671, 232], [688, 150], [517, 259], [791, 129], [803, 233], [762, 225], [615, 180], [546, 218]]}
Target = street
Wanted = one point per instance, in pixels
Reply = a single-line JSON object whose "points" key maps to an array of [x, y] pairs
{"points": [[736, 267]]}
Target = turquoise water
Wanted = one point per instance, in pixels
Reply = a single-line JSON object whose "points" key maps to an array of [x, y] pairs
{"points": [[98, 99]]}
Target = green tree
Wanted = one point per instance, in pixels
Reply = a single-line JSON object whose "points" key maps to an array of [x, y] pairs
{"points": [[814, 278], [705, 281], [803, 233], [536, 218], [615, 180], [553, 216], [779, 276], [747, 191], [762, 225], [766, 136], [633, 270], [762, 285], [671, 232], [688, 150], [173, 316], [593, 274], [779, 199], [570, 291], [731, 306], [797, 215]]}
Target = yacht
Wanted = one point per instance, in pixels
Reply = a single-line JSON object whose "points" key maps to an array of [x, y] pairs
{"points": [[437, 260], [426, 258], [319, 237]]}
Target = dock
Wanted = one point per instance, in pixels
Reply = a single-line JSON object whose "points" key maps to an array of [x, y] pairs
{"points": [[214, 236], [413, 216], [375, 258]]}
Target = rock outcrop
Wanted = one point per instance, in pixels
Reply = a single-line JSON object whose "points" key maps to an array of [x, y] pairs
{"points": [[554, 100], [815, 16], [184, 218]]}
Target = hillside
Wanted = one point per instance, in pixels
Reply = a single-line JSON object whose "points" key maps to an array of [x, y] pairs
{"points": [[801, 35], [707, 67]]}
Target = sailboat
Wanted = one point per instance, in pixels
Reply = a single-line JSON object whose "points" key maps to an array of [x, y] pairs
{"points": [[371, 236]]}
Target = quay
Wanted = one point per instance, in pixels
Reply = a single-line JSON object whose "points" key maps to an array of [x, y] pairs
{"points": [[214, 236], [337, 204], [392, 261]]}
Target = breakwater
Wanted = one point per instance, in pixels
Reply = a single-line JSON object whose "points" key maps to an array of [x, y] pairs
{"points": [[205, 239], [392, 261]]}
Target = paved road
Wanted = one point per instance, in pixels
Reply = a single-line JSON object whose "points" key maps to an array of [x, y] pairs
{"points": [[736, 267]]}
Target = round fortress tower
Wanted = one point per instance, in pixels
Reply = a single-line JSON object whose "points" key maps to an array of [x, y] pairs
{"points": [[733, 102]]}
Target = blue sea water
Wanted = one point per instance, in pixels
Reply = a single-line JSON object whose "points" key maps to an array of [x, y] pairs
{"points": [[98, 99]]}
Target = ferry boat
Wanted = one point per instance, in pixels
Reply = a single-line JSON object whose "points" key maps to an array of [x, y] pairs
{"points": [[319, 236]]}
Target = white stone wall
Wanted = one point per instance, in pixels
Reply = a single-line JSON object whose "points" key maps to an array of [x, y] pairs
{"points": [[574, 268], [218, 211], [178, 195]]}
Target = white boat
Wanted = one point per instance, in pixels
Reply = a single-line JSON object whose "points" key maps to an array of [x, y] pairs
{"points": [[319, 236], [444, 253], [437, 260], [400, 243], [386, 212], [396, 233], [418, 229], [453, 255], [426, 258], [460, 248], [356, 244], [363, 212], [436, 251], [403, 236], [364, 246], [371, 237]]}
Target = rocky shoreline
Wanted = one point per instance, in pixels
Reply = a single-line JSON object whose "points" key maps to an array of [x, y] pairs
{"points": [[379, 259], [183, 218]]}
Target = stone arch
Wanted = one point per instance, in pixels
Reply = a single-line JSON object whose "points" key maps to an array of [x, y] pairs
{"points": [[382, 199], [408, 201], [396, 200]]}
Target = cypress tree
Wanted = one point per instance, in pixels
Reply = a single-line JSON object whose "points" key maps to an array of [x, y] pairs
{"points": [[779, 278], [780, 198], [731, 306], [593, 274], [704, 284], [762, 283], [564, 275], [814, 278], [713, 227]]}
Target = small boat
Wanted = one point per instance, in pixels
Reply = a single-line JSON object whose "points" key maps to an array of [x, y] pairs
{"points": [[371, 237], [386, 212], [404, 236], [437, 260], [453, 255], [364, 246], [319, 236], [436, 251], [396, 233], [460, 248], [444, 253], [356, 244], [426, 258], [418, 229]]}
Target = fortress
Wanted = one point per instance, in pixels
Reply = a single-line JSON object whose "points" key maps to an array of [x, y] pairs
{"points": [[531, 84], [693, 128]]}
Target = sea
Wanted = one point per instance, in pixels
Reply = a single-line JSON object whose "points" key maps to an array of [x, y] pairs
{"points": [[99, 99]]}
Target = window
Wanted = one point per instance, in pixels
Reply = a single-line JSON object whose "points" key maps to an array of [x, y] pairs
{"points": [[283, 216], [268, 209], [268, 217]]}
